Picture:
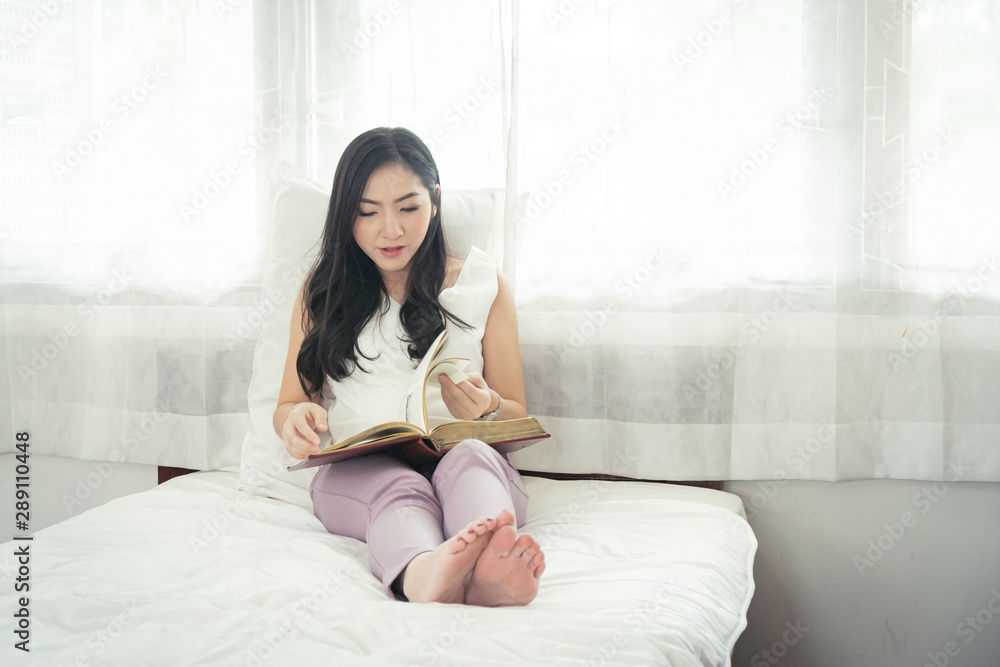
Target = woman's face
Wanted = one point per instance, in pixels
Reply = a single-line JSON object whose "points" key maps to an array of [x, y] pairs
{"points": [[395, 213]]}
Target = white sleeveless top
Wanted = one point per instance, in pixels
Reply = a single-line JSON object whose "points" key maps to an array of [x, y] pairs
{"points": [[363, 400]]}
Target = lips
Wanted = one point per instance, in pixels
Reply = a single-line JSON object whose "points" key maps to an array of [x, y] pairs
{"points": [[393, 251]]}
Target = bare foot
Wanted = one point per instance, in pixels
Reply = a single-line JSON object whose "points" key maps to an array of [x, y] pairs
{"points": [[441, 575], [507, 572]]}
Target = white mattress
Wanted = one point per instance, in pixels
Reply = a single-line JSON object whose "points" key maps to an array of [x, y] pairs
{"points": [[637, 574]]}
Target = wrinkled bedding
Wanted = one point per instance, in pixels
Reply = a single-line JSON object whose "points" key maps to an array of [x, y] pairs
{"points": [[195, 573]]}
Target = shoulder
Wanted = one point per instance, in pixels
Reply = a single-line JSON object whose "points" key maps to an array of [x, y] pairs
{"points": [[505, 293], [452, 269]]}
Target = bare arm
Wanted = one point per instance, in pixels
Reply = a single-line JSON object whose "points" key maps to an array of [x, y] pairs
{"points": [[501, 366], [298, 415]]}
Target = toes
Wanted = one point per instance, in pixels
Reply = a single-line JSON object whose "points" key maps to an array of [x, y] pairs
{"points": [[537, 559], [480, 526], [523, 544], [505, 518], [501, 542]]}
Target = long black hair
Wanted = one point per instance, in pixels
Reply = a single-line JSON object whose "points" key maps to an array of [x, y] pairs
{"points": [[344, 289]]}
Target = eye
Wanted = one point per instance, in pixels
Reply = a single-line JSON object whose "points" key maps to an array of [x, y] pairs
{"points": [[364, 214], [411, 209]]}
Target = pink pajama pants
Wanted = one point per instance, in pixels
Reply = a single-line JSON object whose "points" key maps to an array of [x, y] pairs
{"points": [[401, 512]]}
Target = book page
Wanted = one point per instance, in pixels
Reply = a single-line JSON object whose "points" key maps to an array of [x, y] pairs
{"points": [[413, 408], [373, 434], [454, 368], [451, 433]]}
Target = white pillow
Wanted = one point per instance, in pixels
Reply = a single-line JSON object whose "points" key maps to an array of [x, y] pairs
{"points": [[298, 212]]}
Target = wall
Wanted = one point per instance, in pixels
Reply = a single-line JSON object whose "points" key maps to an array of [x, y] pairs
{"points": [[62, 488], [873, 573]]}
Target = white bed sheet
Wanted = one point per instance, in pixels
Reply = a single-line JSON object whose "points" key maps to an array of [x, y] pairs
{"points": [[194, 573]]}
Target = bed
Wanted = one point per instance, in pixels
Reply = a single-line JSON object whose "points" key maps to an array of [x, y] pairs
{"points": [[231, 567], [196, 572]]}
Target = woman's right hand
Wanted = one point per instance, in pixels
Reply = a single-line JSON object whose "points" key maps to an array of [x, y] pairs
{"points": [[300, 430]]}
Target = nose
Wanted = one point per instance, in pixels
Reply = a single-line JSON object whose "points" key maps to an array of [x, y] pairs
{"points": [[392, 228]]}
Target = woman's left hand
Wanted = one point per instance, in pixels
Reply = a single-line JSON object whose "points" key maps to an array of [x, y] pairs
{"points": [[469, 399]]}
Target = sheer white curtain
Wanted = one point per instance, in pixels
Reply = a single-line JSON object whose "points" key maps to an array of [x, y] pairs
{"points": [[758, 240], [136, 143], [761, 240], [130, 228]]}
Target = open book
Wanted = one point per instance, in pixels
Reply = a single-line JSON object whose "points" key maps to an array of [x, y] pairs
{"points": [[410, 439]]}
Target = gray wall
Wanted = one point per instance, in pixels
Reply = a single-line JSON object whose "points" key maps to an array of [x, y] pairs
{"points": [[881, 572], [62, 488]]}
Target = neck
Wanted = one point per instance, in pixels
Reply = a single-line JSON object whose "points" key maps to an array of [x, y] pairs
{"points": [[395, 285]]}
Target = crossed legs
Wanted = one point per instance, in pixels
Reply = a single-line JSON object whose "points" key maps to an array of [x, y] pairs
{"points": [[450, 538]]}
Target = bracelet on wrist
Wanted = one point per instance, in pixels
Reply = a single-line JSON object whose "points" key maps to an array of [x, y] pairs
{"points": [[492, 414]]}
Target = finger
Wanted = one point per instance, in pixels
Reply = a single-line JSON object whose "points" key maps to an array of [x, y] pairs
{"points": [[305, 431], [318, 415], [476, 396], [476, 380], [297, 453], [297, 447], [305, 447], [470, 406], [455, 401], [461, 393], [467, 389]]}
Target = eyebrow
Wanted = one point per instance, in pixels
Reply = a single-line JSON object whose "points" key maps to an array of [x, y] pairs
{"points": [[369, 201]]}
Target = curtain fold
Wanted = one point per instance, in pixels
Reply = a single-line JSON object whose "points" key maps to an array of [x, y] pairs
{"points": [[130, 256], [748, 239], [730, 265]]}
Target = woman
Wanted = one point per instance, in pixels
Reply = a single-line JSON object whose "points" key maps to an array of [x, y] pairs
{"points": [[380, 292]]}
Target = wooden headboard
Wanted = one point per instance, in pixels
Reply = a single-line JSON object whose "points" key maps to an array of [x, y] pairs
{"points": [[165, 473]]}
